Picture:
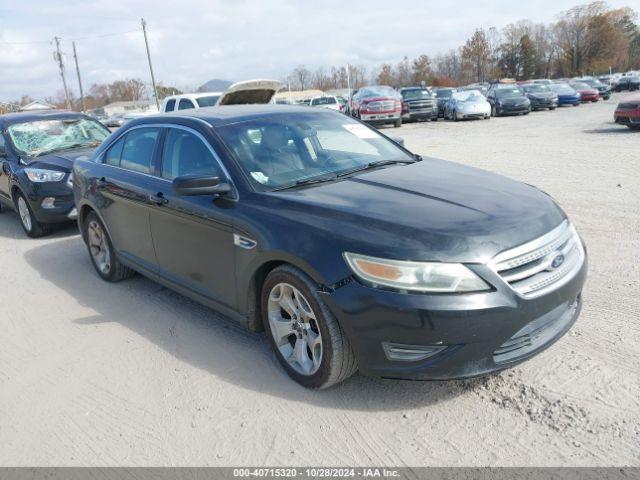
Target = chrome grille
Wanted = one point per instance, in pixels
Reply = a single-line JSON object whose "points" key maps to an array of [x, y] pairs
{"points": [[543, 264], [380, 106]]}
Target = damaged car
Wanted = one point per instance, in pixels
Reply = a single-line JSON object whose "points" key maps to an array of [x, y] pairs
{"points": [[349, 251], [37, 151]]}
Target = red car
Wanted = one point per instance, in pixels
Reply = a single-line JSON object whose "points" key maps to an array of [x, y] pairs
{"points": [[587, 93], [628, 113]]}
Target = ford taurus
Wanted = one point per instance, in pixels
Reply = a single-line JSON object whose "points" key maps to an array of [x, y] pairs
{"points": [[349, 251]]}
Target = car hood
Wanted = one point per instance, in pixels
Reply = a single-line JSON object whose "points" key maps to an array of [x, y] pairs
{"points": [[513, 99], [542, 95], [249, 92], [62, 160], [430, 210]]}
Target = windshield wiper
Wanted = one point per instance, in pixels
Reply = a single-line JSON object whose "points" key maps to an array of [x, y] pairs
{"points": [[370, 165], [307, 181], [68, 147]]}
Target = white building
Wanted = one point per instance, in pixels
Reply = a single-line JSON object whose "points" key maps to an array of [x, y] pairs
{"points": [[37, 105], [124, 108]]}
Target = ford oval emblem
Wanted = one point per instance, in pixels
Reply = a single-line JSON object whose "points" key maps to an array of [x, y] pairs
{"points": [[557, 261]]}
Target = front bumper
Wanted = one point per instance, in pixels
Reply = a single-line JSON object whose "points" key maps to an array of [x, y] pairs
{"points": [[475, 329], [513, 109], [386, 117], [627, 118], [544, 103], [569, 101], [420, 113], [473, 114], [63, 208]]}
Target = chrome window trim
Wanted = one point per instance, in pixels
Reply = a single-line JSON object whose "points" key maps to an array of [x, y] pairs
{"points": [[180, 127]]}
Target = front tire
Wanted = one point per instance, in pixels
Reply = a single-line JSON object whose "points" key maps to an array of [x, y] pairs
{"points": [[101, 251], [397, 123], [305, 336], [31, 226]]}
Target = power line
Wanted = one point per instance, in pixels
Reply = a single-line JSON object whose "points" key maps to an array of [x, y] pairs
{"points": [[88, 37]]}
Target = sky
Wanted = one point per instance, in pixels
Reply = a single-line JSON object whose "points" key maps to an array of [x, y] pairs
{"points": [[193, 41]]}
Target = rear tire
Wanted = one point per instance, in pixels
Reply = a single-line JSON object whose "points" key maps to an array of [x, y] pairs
{"points": [[305, 336], [31, 226], [101, 251]]}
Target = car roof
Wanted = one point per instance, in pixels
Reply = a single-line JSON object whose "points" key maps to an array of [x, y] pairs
{"points": [[30, 116], [228, 114]]}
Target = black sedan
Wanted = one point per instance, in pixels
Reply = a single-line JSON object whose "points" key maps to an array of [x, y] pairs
{"points": [[627, 82], [508, 99], [37, 150], [351, 252], [540, 96]]}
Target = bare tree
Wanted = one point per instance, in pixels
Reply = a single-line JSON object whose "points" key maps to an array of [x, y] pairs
{"points": [[302, 77]]}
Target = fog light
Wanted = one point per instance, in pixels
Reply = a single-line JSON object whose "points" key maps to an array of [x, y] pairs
{"points": [[410, 353], [49, 202]]}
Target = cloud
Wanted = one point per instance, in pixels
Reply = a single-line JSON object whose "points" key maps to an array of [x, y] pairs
{"points": [[193, 41]]}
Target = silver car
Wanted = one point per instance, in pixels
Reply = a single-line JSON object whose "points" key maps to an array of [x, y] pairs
{"points": [[467, 104]]}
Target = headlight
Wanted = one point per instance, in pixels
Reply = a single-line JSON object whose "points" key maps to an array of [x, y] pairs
{"points": [[415, 276], [39, 175]]}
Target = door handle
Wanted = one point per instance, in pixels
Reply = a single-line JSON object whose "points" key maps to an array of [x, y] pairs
{"points": [[158, 199]]}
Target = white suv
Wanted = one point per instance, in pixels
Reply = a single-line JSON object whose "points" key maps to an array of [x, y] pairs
{"points": [[190, 100]]}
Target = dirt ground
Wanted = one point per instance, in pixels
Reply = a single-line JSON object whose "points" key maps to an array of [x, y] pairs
{"points": [[133, 374]]}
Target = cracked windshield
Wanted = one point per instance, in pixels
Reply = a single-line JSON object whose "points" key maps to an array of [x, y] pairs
{"points": [[46, 136]]}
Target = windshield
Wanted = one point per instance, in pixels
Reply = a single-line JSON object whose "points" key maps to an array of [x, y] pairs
{"points": [[415, 94], [444, 93], [508, 92], [44, 136], [593, 82], [323, 101], [535, 88], [562, 88], [207, 101], [469, 96], [379, 91], [580, 86], [284, 149]]}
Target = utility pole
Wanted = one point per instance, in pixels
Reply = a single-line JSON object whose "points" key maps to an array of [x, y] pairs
{"points": [[75, 57], [153, 80], [57, 56]]}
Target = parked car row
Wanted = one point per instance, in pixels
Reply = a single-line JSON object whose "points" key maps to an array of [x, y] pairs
{"points": [[312, 226]]}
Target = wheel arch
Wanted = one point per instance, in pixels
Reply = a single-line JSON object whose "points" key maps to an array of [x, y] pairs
{"points": [[253, 287]]}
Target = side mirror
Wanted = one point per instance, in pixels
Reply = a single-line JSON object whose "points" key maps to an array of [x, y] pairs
{"points": [[192, 185]]}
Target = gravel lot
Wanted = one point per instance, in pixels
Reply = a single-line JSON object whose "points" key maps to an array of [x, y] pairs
{"points": [[133, 374]]}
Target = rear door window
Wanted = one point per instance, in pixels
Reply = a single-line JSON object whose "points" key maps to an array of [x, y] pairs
{"points": [[185, 104], [138, 148], [171, 104]]}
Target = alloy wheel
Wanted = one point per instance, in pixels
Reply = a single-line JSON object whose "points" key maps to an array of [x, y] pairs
{"points": [[97, 240], [25, 214], [294, 328]]}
